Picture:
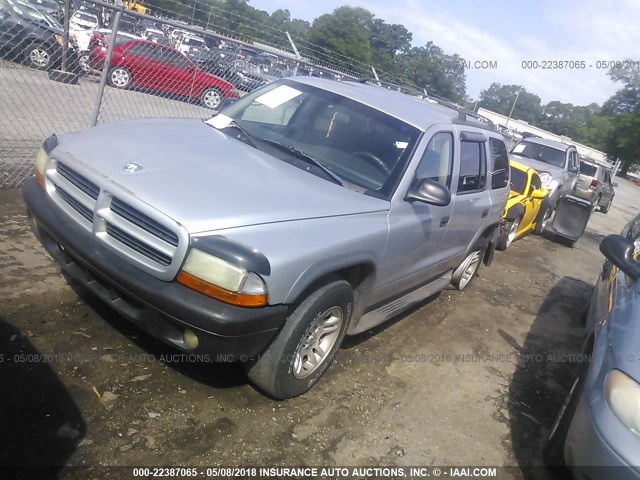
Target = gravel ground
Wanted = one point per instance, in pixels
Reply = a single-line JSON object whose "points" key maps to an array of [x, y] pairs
{"points": [[456, 381]]}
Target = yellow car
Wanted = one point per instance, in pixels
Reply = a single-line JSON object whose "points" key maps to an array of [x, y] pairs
{"points": [[528, 207]]}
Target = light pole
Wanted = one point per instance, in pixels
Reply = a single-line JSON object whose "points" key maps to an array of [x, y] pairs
{"points": [[512, 107], [193, 14]]}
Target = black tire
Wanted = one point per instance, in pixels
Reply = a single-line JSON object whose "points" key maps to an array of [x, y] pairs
{"points": [[38, 57], [211, 98], [464, 275], [553, 449], [606, 208], [276, 371], [541, 221], [503, 241], [119, 77]]}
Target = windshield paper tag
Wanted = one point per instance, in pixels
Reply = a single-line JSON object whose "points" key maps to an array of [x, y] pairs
{"points": [[518, 148], [219, 121], [278, 96]]}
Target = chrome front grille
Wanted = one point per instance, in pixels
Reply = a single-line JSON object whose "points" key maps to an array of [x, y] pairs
{"points": [[129, 227]]}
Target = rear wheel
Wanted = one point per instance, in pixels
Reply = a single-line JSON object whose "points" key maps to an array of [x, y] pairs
{"points": [[120, 77], [466, 272], [306, 345], [510, 235], [596, 203]]}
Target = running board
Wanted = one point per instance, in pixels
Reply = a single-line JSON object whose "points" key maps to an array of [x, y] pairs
{"points": [[385, 312]]}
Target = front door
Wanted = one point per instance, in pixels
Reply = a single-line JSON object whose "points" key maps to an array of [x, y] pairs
{"points": [[416, 229]]}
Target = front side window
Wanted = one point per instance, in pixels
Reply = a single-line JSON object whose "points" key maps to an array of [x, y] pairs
{"points": [[473, 167], [364, 146], [499, 175], [518, 181], [437, 160]]}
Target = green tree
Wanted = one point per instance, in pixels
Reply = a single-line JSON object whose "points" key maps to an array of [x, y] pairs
{"points": [[500, 98], [430, 68], [345, 31]]}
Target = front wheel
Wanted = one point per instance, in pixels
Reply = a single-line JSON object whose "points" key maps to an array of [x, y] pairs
{"points": [[543, 220], [509, 236], [38, 56], [306, 345], [211, 98]]}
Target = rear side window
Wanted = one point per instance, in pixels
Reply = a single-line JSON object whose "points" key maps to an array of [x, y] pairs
{"points": [[587, 169], [500, 172], [437, 161], [473, 167]]}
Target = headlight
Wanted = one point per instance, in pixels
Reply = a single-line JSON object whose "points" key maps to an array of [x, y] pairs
{"points": [[623, 396], [545, 177], [41, 163], [221, 280]]}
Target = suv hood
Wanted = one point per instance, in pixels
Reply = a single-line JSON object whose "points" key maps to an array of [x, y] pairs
{"points": [[206, 180], [540, 166]]}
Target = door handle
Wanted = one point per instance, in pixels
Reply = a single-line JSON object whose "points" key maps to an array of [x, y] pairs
{"points": [[485, 213], [444, 221]]}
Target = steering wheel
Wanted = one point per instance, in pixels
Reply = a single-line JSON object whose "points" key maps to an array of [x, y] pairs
{"points": [[373, 160]]}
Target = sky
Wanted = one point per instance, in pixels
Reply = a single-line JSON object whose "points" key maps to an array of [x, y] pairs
{"points": [[510, 33]]}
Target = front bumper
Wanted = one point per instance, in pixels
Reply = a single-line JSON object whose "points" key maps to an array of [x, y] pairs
{"points": [[589, 455], [163, 309]]}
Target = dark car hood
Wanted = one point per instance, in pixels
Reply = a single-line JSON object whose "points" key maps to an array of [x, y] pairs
{"points": [[206, 180]]}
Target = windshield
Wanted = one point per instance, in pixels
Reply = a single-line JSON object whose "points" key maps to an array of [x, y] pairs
{"points": [[544, 153], [587, 169], [518, 180], [26, 12], [364, 146]]}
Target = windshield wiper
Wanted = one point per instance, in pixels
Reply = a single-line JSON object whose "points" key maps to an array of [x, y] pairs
{"points": [[300, 155], [232, 124]]}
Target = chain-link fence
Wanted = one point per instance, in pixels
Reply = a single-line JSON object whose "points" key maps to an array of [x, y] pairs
{"points": [[99, 63]]}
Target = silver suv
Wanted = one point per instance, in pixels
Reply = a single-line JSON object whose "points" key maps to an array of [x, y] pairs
{"points": [[594, 185], [557, 164], [306, 211]]}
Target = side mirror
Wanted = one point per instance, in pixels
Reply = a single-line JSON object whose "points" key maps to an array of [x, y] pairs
{"points": [[539, 194], [614, 184], [429, 191], [574, 169], [619, 251]]}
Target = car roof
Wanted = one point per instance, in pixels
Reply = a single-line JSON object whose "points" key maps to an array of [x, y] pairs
{"points": [[549, 143], [419, 113]]}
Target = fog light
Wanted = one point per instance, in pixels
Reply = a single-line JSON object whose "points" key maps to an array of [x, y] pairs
{"points": [[190, 339]]}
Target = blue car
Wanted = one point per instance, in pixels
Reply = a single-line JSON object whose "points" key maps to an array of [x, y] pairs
{"points": [[598, 426]]}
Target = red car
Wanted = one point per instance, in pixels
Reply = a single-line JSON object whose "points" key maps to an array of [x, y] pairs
{"points": [[160, 68]]}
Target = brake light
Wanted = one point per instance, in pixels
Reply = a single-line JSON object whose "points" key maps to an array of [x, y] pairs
{"points": [[594, 184]]}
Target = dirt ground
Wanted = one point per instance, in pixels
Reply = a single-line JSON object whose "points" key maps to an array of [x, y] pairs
{"points": [[467, 378]]}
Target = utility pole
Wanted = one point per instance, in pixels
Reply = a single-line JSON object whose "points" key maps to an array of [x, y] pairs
{"points": [[193, 13], [512, 107]]}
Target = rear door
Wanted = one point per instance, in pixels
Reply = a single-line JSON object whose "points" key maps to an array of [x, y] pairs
{"points": [[179, 73], [143, 60], [471, 198]]}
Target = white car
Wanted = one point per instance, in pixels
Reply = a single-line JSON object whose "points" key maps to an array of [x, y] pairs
{"points": [[83, 21], [191, 42]]}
